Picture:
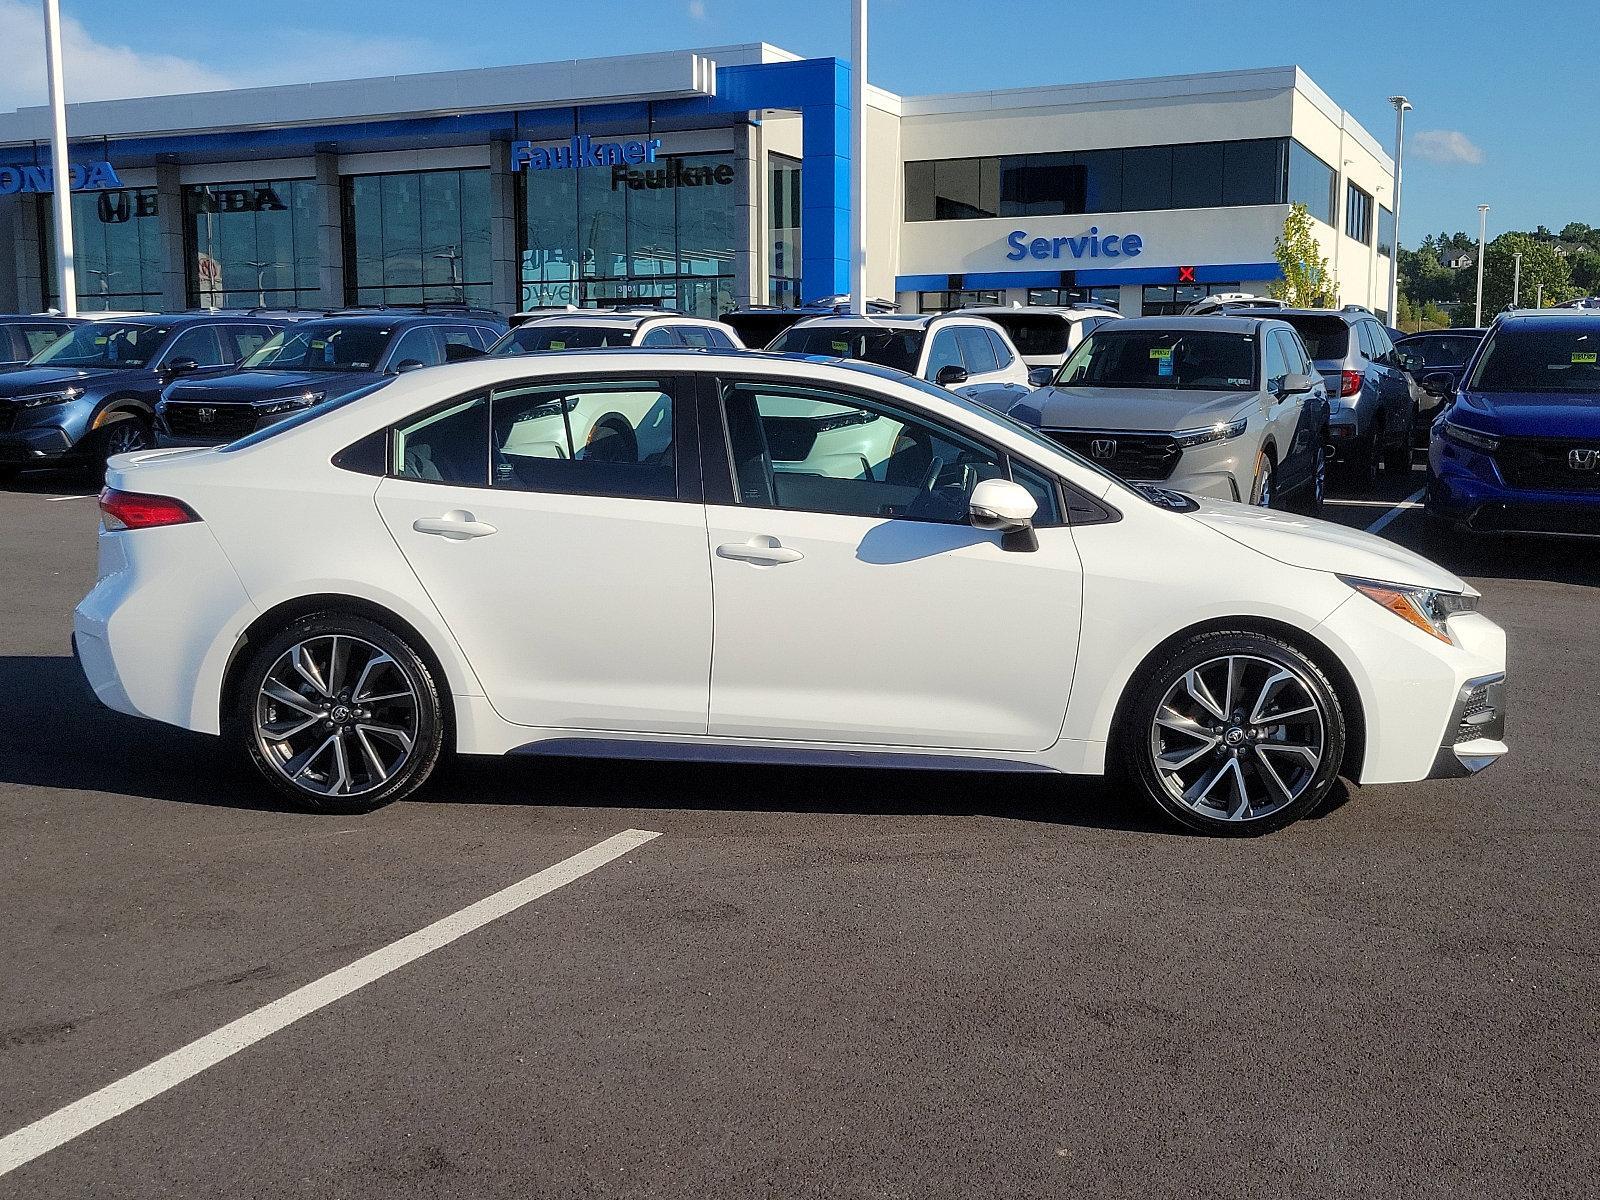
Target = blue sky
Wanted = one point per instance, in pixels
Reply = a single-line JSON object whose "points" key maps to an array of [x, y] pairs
{"points": [[1505, 115]]}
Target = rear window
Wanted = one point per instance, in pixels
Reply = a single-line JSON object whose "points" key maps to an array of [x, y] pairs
{"points": [[897, 348], [1327, 338], [757, 329], [535, 339], [1443, 350], [1033, 334], [1561, 359]]}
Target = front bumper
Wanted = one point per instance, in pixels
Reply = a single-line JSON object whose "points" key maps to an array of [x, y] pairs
{"points": [[1465, 488], [1475, 736], [39, 446]]}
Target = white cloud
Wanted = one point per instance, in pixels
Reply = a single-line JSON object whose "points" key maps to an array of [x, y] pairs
{"points": [[1446, 146], [96, 70], [697, 9]]}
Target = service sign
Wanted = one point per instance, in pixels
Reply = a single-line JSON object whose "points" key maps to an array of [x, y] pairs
{"points": [[86, 177], [1092, 244]]}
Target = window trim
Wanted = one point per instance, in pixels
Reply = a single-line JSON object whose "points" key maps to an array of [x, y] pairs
{"points": [[717, 451], [677, 386]]}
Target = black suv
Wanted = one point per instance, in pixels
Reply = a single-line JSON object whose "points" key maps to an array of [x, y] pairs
{"points": [[315, 360], [22, 336], [92, 393]]}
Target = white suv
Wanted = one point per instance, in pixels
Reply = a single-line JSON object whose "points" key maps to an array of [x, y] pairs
{"points": [[969, 355], [1045, 336], [592, 329]]}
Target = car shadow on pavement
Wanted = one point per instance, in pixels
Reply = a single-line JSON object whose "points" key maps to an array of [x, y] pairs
{"points": [[57, 735]]}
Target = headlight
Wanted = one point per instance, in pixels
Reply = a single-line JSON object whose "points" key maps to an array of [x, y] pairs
{"points": [[1426, 608], [1470, 437], [290, 404], [1220, 432], [44, 398]]}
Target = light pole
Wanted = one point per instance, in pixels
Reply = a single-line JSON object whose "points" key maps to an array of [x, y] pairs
{"points": [[261, 280], [61, 169], [858, 157], [1401, 105], [1516, 277], [1483, 227], [1539, 297]]}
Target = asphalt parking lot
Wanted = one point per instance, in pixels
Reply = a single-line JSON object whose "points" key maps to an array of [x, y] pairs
{"points": [[812, 983]]}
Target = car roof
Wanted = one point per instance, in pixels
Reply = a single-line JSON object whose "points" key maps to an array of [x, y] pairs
{"points": [[1342, 314], [1549, 318], [1226, 323], [1049, 310], [389, 320], [608, 317], [1421, 333]]}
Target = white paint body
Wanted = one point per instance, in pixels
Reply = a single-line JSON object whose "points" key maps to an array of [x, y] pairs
{"points": [[592, 617]]}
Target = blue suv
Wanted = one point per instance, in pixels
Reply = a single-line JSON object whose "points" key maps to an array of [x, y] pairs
{"points": [[316, 360], [1518, 451], [92, 393]]}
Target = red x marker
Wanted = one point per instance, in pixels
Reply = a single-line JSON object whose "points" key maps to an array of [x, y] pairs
{"points": [[1185, 274]]}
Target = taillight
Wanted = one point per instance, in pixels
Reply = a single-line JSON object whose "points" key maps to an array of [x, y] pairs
{"points": [[135, 510], [1349, 383]]}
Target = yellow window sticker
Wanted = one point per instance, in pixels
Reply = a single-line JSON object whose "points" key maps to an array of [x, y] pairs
{"points": [[1585, 358], [841, 347], [101, 340], [1160, 351], [555, 345], [319, 345]]}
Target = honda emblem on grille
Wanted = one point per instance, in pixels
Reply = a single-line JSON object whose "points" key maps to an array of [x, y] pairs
{"points": [[206, 415], [1103, 448], [1583, 460]]}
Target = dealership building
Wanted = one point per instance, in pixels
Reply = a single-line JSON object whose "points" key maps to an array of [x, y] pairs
{"points": [[700, 180]]}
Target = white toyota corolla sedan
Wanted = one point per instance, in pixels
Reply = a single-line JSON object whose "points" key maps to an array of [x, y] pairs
{"points": [[763, 559]]}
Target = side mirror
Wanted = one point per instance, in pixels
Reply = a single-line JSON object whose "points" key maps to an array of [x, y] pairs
{"points": [[951, 375], [1439, 383], [408, 364], [1000, 504], [1040, 377], [1295, 384], [182, 366]]}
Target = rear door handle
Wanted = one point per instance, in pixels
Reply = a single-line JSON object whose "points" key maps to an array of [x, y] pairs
{"points": [[761, 550], [458, 525]]}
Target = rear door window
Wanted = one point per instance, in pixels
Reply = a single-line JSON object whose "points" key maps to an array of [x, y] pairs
{"points": [[420, 345], [241, 341], [660, 336], [1002, 352], [199, 344], [977, 350]]}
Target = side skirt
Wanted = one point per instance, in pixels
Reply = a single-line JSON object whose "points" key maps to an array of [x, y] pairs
{"points": [[791, 756]]}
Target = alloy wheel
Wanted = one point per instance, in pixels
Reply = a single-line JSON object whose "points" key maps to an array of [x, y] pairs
{"points": [[1261, 489], [125, 436], [1237, 738], [336, 716]]}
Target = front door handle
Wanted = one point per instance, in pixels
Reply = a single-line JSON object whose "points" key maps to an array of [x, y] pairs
{"points": [[458, 525], [761, 550]]}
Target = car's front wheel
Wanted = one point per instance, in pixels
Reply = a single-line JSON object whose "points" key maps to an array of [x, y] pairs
{"points": [[339, 713], [1264, 481], [1233, 733]]}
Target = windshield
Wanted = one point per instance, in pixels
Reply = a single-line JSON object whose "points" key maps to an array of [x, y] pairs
{"points": [[104, 344], [897, 348], [1326, 338], [1186, 359], [1563, 358], [1035, 335], [301, 417], [1441, 350], [321, 347], [532, 339]]}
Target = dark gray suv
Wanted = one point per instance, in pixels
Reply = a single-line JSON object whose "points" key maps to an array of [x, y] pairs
{"points": [[1373, 415]]}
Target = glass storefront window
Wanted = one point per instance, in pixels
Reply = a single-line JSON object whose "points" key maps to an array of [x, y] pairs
{"points": [[1385, 232], [1168, 300], [929, 302], [251, 244], [662, 233], [783, 231], [117, 245], [1062, 297], [417, 236], [1311, 182]]}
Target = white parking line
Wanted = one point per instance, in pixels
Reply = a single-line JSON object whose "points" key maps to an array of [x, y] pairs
{"points": [[1408, 503], [64, 1124]]}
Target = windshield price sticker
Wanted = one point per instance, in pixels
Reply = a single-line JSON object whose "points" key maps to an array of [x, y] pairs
{"points": [[1585, 358], [841, 347], [1163, 352], [555, 345]]}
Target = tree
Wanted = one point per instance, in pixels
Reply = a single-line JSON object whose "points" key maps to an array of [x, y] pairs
{"points": [[1540, 264], [1307, 282], [1585, 268]]}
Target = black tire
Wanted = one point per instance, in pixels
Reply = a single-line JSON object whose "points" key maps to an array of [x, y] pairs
{"points": [[120, 435], [1366, 457], [8, 475], [1308, 500], [1138, 736], [250, 711], [1398, 456], [1264, 481]]}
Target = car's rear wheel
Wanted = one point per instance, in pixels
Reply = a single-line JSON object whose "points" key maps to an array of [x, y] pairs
{"points": [[339, 713], [1309, 499], [1366, 456], [1398, 456], [1234, 733]]}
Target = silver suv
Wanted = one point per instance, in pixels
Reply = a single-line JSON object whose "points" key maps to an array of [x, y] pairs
{"points": [[1225, 407]]}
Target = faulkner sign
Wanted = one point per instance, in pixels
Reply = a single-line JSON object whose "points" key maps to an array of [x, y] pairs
{"points": [[624, 159], [86, 177]]}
